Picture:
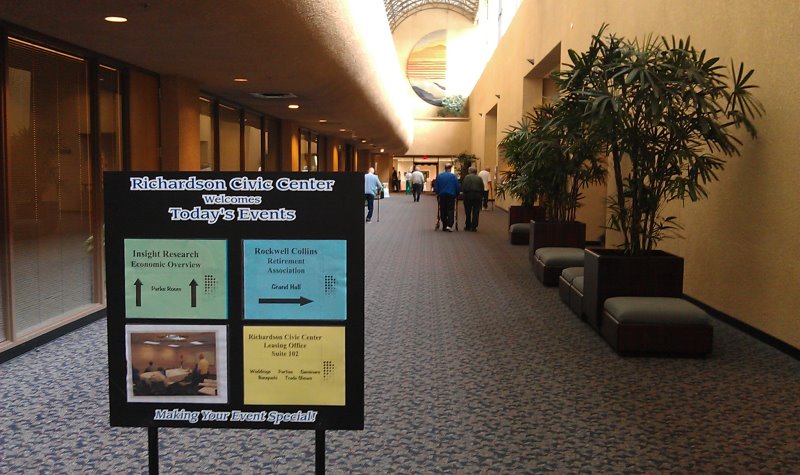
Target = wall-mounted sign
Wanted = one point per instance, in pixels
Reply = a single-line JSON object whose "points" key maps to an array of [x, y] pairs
{"points": [[235, 299]]}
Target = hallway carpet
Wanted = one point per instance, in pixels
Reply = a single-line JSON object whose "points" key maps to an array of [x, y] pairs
{"points": [[471, 367]]}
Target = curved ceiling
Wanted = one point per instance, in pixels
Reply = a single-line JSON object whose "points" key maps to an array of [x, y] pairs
{"points": [[336, 56], [399, 10]]}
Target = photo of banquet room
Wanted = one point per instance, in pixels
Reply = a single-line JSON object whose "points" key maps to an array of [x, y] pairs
{"points": [[170, 363]]}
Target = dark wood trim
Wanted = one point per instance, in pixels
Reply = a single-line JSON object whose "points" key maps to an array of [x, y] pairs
{"points": [[754, 332], [215, 131], [5, 250], [241, 140], [96, 167], [264, 132]]}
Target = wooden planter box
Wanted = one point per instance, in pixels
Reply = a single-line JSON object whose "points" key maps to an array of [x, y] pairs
{"points": [[610, 273], [550, 234], [524, 214]]}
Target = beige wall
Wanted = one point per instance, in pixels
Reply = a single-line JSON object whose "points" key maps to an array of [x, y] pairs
{"points": [[737, 246], [440, 136]]}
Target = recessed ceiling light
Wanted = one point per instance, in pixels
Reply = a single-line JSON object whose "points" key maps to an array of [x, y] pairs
{"points": [[196, 343], [294, 106], [381, 150], [174, 346], [363, 140], [116, 19], [322, 121], [148, 342], [239, 79], [342, 130]]}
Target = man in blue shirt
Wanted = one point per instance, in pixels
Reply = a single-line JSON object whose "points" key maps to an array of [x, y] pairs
{"points": [[372, 185], [447, 187]]}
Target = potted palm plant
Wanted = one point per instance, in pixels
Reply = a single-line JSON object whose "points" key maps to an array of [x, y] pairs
{"points": [[564, 159], [515, 182], [668, 114]]}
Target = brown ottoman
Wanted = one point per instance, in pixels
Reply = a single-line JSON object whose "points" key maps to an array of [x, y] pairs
{"points": [[656, 326], [548, 262], [519, 233], [565, 282]]}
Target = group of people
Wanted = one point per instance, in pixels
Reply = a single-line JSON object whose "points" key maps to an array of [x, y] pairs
{"points": [[475, 188]]}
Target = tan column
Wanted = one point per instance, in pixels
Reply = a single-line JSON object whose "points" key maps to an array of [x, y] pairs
{"points": [[180, 124]]}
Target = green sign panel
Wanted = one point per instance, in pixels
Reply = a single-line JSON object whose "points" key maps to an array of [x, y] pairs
{"points": [[176, 278]]}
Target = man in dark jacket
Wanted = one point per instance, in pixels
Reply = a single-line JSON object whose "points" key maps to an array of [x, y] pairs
{"points": [[447, 187], [473, 193]]}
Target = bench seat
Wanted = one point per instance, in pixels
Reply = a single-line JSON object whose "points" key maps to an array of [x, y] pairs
{"points": [[519, 233], [548, 262], [565, 282], [656, 325]]}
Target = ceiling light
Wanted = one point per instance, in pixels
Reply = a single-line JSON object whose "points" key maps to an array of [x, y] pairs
{"points": [[322, 121], [174, 337], [116, 19], [148, 342], [342, 130], [174, 346], [381, 150], [294, 106], [239, 79], [363, 140], [196, 343]]}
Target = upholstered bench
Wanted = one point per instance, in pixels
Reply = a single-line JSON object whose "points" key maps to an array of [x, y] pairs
{"points": [[656, 325], [565, 281], [576, 296], [519, 233], [548, 262]]}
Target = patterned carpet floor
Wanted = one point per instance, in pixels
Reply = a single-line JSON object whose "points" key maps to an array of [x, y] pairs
{"points": [[471, 367]]}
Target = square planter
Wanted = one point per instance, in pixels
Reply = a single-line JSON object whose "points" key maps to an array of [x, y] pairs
{"points": [[611, 273], [550, 234], [524, 214]]}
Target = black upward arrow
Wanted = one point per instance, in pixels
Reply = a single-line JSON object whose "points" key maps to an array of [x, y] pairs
{"points": [[193, 285], [302, 301], [138, 285]]}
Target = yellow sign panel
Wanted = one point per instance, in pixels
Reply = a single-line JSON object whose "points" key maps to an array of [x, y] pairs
{"points": [[294, 365]]}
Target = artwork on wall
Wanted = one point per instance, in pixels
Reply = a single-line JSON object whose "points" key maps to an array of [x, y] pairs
{"points": [[427, 67]]}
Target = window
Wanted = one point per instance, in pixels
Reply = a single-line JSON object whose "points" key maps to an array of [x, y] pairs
{"points": [[252, 142], [49, 184], [229, 139], [206, 135]]}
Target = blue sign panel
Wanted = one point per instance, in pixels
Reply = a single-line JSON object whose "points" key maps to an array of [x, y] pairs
{"points": [[295, 279]]}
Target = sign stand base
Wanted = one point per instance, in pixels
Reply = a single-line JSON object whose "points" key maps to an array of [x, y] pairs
{"points": [[152, 450], [320, 453]]}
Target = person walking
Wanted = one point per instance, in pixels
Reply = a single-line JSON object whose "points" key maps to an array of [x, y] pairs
{"points": [[395, 181], [447, 187], [417, 183], [473, 193], [486, 177], [372, 186]]}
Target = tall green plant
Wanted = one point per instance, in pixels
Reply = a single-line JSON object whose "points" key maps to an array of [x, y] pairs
{"points": [[553, 156], [463, 161], [517, 152], [669, 109]]}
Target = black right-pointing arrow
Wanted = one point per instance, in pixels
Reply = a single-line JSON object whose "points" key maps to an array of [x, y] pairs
{"points": [[302, 301], [193, 285], [138, 285]]}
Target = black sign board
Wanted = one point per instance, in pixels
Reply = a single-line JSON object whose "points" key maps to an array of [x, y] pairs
{"points": [[235, 299]]}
